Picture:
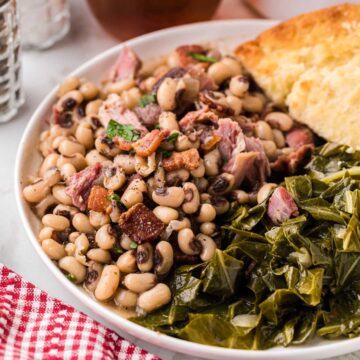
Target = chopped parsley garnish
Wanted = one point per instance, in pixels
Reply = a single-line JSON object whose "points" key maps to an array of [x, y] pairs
{"points": [[71, 277], [157, 126], [116, 250], [172, 138], [202, 57], [133, 245], [114, 197], [147, 99], [125, 131], [165, 153]]}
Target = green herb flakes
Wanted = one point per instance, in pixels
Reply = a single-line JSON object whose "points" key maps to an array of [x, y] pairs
{"points": [[114, 197], [172, 137], [202, 57], [125, 131], [71, 277], [147, 99], [133, 245]]}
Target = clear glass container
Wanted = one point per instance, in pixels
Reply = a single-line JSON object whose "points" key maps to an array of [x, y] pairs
{"points": [[11, 95], [43, 22]]}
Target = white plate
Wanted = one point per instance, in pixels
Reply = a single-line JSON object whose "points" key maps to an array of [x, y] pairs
{"points": [[228, 34]]}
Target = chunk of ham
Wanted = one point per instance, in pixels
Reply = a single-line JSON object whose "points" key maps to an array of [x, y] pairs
{"points": [[299, 136], [81, 183], [150, 142], [126, 66], [114, 109], [198, 72], [281, 206], [202, 116], [149, 115]]}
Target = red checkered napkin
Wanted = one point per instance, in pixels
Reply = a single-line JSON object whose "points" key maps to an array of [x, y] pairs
{"points": [[35, 326]]}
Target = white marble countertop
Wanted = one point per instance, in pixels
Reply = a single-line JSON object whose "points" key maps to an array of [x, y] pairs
{"points": [[41, 72]]}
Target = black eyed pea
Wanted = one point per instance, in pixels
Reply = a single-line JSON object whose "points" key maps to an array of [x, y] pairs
{"points": [[93, 275], [199, 172], [82, 223], [145, 166], [167, 121], [222, 184], [148, 83], [164, 258], [105, 238], [166, 94], [212, 162], [175, 225], [99, 255], [220, 204], [265, 191], [125, 298], [279, 120], [69, 101], [53, 249], [126, 262], [73, 236], [166, 214], [115, 213], [59, 193], [57, 222], [119, 86], [138, 283], [201, 183], [52, 176], [126, 163], [57, 141], [219, 72], [208, 228], [69, 147], [130, 197], [108, 283], [71, 266], [69, 84], [81, 247], [252, 103], [65, 210], [93, 157], [84, 135], [45, 205], [49, 162], [184, 142], [155, 298], [279, 138], [270, 149], [125, 241], [98, 219], [207, 213], [131, 97], [208, 246], [70, 249], [187, 243], [172, 196], [114, 178], [241, 196], [45, 233], [177, 177], [106, 147], [57, 130], [89, 90], [192, 198], [145, 257], [232, 64], [239, 85], [92, 108], [67, 170], [263, 131], [77, 160], [234, 103], [160, 70]]}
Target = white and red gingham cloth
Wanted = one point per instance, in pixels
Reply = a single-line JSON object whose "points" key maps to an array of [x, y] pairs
{"points": [[35, 326]]}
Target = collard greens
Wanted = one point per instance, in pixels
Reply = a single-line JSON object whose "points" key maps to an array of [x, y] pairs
{"points": [[270, 285]]}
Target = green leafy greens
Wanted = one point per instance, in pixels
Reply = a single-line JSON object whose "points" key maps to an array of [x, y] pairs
{"points": [[125, 131], [147, 99]]}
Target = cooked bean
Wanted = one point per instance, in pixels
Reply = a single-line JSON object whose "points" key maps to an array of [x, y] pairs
{"points": [[164, 257], [220, 204], [45, 205], [131, 197], [81, 223], [212, 162], [234, 103], [184, 142], [114, 178], [77, 160], [145, 166], [93, 275], [105, 238], [148, 84], [126, 163], [252, 103], [82, 246], [71, 266], [279, 120], [98, 219], [139, 283], [177, 177], [65, 210], [167, 120], [59, 192], [69, 100], [89, 90], [70, 249], [68, 148], [208, 246], [67, 170], [52, 176], [49, 162], [93, 157], [73, 236], [232, 64], [241, 196], [145, 257], [263, 130], [57, 141], [67, 85], [92, 108], [199, 171], [125, 241], [119, 86], [166, 94], [57, 222], [45, 233], [201, 183], [100, 255], [208, 228], [192, 198], [84, 135], [155, 298], [222, 184], [131, 97], [265, 191], [166, 214], [279, 138], [207, 213], [127, 262], [108, 283], [125, 298], [106, 147], [219, 72], [270, 149], [171, 196], [187, 243], [53, 249], [239, 85]]}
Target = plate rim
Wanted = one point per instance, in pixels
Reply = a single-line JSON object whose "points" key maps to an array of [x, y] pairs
{"points": [[323, 350]]}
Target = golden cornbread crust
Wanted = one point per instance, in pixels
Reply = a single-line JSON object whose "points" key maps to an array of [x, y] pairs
{"points": [[311, 64]]}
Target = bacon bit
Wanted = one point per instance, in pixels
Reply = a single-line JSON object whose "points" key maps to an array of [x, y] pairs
{"points": [[122, 144], [140, 224], [210, 142], [150, 142], [184, 51], [200, 116], [98, 199], [189, 160]]}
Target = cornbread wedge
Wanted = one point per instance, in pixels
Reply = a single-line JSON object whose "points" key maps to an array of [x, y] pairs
{"points": [[311, 63]]}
